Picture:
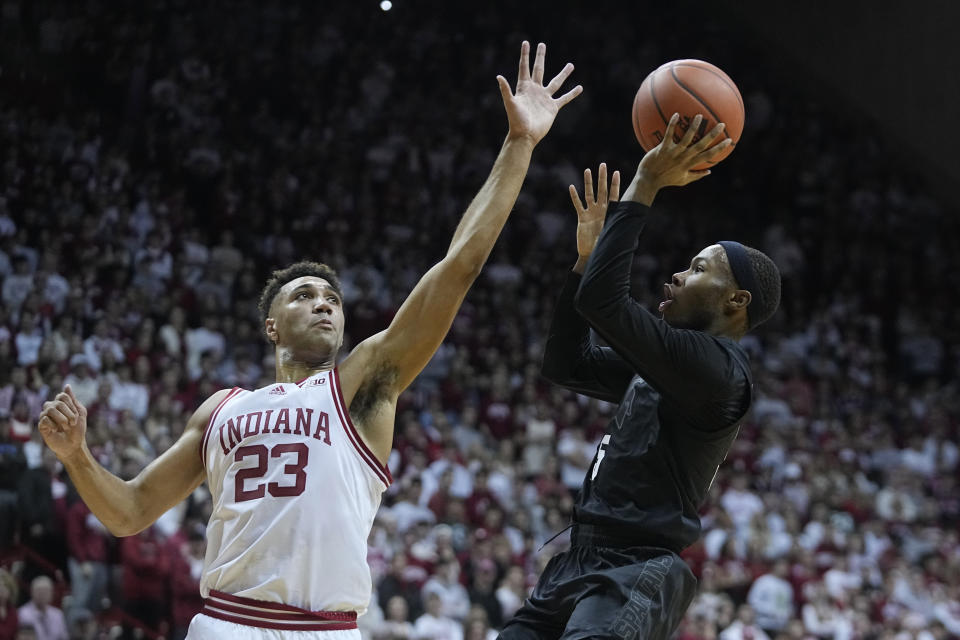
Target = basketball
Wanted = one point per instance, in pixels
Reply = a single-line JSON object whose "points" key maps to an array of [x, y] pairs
{"points": [[687, 87]]}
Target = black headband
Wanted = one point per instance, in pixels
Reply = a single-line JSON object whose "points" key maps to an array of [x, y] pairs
{"points": [[740, 265]]}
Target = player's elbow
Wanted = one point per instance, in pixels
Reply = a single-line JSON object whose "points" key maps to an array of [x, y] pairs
{"points": [[463, 267], [123, 528], [554, 367]]}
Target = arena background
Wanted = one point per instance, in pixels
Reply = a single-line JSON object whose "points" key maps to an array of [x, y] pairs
{"points": [[158, 159]]}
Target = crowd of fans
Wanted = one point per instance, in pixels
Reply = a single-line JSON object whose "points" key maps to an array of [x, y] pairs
{"points": [[157, 160]]}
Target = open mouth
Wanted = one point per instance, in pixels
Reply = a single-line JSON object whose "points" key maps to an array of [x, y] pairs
{"points": [[668, 294]]}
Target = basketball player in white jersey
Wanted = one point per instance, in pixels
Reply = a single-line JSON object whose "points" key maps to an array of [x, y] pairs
{"points": [[296, 469]]}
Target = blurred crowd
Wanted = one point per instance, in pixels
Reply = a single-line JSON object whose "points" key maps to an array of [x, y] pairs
{"points": [[158, 159]]}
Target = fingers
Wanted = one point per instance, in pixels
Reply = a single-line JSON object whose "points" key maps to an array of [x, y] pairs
{"points": [[693, 176], [602, 183], [46, 426], [692, 129], [538, 63], [560, 78], [707, 141], [615, 187], [524, 73], [71, 400], [59, 414], [668, 133], [575, 198], [62, 404], [716, 149], [505, 91], [588, 187], [569, 95]]}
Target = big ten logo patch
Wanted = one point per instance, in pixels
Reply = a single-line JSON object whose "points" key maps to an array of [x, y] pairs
{"points": [[633, 615]]}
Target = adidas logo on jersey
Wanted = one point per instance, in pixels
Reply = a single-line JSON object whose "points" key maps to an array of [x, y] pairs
{"points": [[278, 391]]}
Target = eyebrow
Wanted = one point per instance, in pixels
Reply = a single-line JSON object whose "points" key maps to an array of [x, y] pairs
{"points": [[694, 261], [312, 285]]}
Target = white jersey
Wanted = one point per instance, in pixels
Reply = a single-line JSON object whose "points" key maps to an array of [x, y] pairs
{"points": [[295, 491]]}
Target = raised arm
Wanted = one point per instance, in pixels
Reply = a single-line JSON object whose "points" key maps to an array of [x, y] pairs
{"points": [[397, 354], [570, 358], [672, 360], [380, 367], [125, 507]]}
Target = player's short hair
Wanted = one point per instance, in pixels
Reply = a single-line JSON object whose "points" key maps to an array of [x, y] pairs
{"points": [[755, 272], [766, 298], [292, 272]]}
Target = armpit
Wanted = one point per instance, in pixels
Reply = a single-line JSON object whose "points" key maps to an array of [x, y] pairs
{"points": [[374, 390]]}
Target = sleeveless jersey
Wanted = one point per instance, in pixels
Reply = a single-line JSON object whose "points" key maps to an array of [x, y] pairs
{"points": [[295, 491]]}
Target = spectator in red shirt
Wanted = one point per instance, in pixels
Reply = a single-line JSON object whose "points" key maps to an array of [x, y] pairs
{"points": [[481, 499], [87, 545], [441, 497], [146, 567], [186, 566]]}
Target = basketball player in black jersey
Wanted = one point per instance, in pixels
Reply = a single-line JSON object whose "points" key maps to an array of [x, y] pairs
{"points": [[683, 384]]}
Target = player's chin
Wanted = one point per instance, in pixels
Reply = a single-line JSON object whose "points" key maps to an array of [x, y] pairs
{"points": [[319, 347]]}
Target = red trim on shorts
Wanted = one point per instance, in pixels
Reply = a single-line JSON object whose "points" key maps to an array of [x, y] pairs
{"points": [[213, 418], [354, 436], [275, 615]]}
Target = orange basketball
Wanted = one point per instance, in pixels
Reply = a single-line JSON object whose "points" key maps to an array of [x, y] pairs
{"points": [[687, 87]]}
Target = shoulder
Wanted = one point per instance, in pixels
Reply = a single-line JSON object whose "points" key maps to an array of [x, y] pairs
{"points": [[201, 417]]}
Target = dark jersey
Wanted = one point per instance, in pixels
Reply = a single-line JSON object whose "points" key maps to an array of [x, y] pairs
{"points": [[681, 396]]}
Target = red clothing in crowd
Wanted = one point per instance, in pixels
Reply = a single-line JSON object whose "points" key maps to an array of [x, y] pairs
{"points": [[146, 565], [184, 588], [8, 622], [478, 503], [84, 543]]}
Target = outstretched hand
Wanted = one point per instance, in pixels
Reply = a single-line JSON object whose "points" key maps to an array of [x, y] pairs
{"points": [[532, 109], [590, 216]]}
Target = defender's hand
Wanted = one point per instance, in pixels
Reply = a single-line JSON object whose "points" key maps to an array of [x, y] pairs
{"points": [[590, 217], [671, 163], [532, 109], [63, 424]]}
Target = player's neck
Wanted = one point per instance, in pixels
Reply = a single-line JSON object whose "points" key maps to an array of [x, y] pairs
{"points": [[728, 328], [290, 368]]}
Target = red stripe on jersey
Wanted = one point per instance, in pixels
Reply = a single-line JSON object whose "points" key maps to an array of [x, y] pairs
{"points": [[274, 615], [263, 605], [213, 419], [381, 470], [266, 623]]}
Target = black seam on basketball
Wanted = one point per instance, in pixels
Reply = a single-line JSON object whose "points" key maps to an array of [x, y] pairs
{"points": [[730, 86], [696, 97], [656, 103]]}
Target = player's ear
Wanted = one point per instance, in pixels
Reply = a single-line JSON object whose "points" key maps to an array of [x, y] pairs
{"points": [[270, 326], [739, 299]]}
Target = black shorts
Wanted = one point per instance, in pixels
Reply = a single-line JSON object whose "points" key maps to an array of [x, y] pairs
{"points": [[605, 592]]}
